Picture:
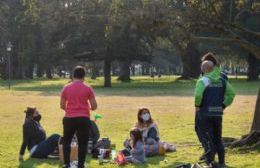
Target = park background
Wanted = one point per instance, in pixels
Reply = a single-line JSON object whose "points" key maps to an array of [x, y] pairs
{"points": [[136, 53]]}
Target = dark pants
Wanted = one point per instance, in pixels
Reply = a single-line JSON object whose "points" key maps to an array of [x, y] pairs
{"points": [[198, 130], [80, 126], [46, 147], [211, 133]]}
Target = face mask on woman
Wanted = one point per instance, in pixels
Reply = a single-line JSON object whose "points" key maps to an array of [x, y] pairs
{"points": [[146, 116], [37, 118]]}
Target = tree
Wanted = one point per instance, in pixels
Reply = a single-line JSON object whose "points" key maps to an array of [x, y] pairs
{"points": [[241, 26], [251, 140], [127, 33]]}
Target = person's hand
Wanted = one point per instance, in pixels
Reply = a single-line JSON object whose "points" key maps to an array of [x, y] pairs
{"points": [[20, 158], [197, 109]]}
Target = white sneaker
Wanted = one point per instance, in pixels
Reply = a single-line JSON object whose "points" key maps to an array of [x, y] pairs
{"points": [[74, 164]]}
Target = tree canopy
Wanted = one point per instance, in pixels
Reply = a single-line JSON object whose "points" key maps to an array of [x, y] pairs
{"points": [[49, 35]]}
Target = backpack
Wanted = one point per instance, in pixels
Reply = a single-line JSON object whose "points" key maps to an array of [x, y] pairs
{"points": [[104, 143]]}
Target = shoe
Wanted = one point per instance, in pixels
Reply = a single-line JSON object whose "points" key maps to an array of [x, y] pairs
{"points": [[222, 165], [212, 165], [74, 164]]}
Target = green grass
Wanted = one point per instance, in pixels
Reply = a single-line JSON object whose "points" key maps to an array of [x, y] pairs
{"points": [[170, 101]]}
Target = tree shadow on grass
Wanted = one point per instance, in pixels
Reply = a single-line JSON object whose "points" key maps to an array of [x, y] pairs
{"points": [[135, 88], [40, 88], [155, 160], [34, 163], [175, 164]]}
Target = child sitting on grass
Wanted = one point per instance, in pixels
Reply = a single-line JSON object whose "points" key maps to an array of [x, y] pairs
{"points": [[137, 147]]}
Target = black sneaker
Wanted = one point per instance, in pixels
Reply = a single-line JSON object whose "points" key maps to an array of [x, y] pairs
{"points": [[222, 165]]}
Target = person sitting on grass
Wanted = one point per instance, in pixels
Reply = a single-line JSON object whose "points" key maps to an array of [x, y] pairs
{"points": [[147, 126], [137, 153], [150, 134], [34, 136]]}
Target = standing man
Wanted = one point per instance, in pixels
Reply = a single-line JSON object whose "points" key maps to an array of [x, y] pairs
{"points": [[212, 95], [77, 99], [208, 57]]}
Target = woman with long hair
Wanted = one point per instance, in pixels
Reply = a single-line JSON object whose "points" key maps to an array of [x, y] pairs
{"points": [[34, 136], [147, 126]]}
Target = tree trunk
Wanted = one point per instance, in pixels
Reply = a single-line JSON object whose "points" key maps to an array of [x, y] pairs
{"points": [[39, 71], [256, 120], [2, 71], [191, 62], [252, 140], [133, 69], [107, 72], [253, 67], [124, 74], [29, 72], [48, 72], [94, 70]]}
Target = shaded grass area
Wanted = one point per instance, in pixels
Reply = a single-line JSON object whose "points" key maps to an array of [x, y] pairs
{"points": [[139, 86], [170, 102]]}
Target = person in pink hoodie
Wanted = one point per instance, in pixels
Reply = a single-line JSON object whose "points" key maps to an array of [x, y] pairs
{"points": [[77, 99]]}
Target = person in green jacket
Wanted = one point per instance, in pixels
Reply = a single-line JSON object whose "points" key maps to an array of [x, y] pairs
{"points": [[212, 95]]}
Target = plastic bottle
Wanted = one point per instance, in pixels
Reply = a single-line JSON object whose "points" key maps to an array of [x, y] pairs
{"points": [[113, 152]]}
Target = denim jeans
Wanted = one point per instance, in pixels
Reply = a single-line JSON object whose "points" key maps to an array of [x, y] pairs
{"points": [[46, 147]]}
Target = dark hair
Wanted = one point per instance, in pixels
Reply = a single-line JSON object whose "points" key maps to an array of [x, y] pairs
{"points": [[29, 112], [79, 72], [139, 116], [137, 134], [209, 57]]}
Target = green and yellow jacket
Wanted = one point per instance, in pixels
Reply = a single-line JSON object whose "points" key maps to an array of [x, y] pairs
{"points": [[213, 77]]}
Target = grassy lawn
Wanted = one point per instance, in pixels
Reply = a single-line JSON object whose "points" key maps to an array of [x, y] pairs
{"points": [[170, 102]]}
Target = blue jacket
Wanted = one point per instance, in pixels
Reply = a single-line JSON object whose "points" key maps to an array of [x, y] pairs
{"points": [[138, 152], [213, 97]]}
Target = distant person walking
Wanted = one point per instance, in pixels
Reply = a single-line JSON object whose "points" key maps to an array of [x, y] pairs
{"points": [[77, 99], [212, 95]]}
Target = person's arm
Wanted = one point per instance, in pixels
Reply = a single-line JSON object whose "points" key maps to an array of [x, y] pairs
{"points": [[199, 90], [152, 133], [93, 103], [62, 103], [92, 99], [26, 137], [229, 95]]}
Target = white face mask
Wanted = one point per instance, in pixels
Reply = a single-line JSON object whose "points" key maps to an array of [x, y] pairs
{"points": [[146, 117]]}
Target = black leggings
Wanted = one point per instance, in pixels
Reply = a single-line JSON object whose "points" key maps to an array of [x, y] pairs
{"points": [[80, 126]]}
